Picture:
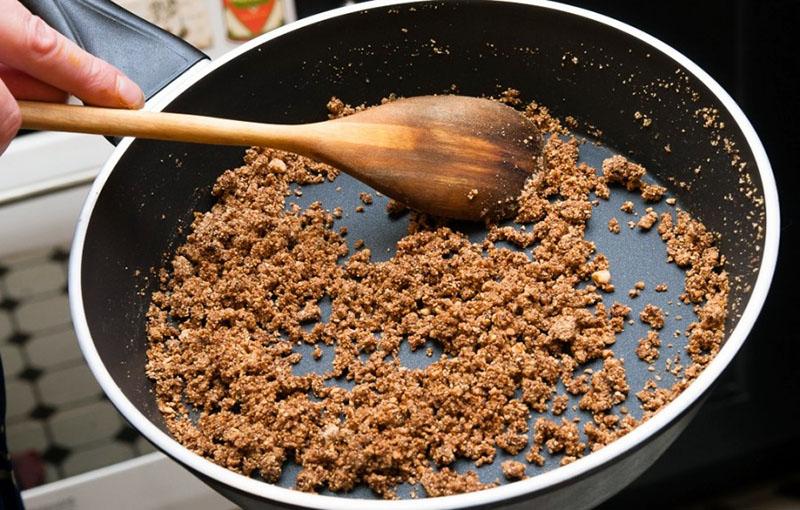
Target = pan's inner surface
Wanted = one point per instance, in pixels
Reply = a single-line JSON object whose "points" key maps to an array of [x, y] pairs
{"points": [[607, 79], [634, 255]]}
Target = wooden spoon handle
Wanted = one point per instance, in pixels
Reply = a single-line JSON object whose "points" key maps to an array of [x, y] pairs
{"points": [[159, 125]]}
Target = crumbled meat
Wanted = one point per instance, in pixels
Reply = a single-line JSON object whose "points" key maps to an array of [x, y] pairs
{"points": [[448, 482], [653, 192], [647, 349], [608, 388], [513, 470], [618, 170], [647, 221], [653, 316], [601, 277], [560, 404], [245, 288]]}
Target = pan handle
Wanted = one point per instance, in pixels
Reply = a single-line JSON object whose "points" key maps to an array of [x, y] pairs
{"points": [[150, 56]]}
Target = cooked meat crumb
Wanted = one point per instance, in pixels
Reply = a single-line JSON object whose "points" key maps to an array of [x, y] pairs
{"points": [[560, 404], [601, 277], [653, 192], [513, 470], [662, 287], [613, 226], [608, 387], [647, 221], [648, 347], [277, 166], [618, 170], [653, 316], [618, 310], [448, 482], [627, 207], [365, 198]]}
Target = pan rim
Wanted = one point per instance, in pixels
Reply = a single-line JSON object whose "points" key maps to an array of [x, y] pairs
{"points": [[541, 482]]}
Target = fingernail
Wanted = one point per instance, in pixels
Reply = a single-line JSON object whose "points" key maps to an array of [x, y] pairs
{"points": [[129, 93]]}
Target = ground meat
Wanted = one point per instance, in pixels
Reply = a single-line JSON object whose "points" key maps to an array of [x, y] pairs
{"points": [[653, 192], [653, 316], [513, 470], [613, 226], [519, 238], [609, 387], [245, 289], [647, 349], [365, 198], [560, 404], [618, 170], [557, 438], [647, 221], [604, 429], [654, 398], [620, 310], [619, 313], [627, 207], [447, 482]]}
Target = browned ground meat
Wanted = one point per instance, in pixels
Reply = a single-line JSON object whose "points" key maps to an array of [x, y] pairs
{"points": [[238, 292]]}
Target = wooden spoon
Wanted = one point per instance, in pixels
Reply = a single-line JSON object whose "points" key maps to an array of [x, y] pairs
{"points": [[452, 156]]}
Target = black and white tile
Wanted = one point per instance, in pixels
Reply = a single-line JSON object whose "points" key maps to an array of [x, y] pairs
{"points": [[56, 410]]}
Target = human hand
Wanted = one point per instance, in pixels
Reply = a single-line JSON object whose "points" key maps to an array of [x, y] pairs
{"points": [[38, 63]]}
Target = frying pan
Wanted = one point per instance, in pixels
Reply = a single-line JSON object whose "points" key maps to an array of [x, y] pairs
{"points": [[606, 74]]}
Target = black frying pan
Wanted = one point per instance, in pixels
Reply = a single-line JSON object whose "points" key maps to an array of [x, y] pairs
{"points": [[578, 63]]}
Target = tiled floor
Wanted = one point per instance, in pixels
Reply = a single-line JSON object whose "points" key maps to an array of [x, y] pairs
{"points": [[55, 407]]}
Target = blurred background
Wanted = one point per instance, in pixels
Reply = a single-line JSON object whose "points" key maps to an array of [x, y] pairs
{"points": [[739, 453]]}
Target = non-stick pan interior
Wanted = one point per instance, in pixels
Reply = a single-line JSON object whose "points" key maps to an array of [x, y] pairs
{"points": [[624, 93]]}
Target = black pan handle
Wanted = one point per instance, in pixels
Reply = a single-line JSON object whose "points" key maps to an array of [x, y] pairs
{"points": [[150, 56]]}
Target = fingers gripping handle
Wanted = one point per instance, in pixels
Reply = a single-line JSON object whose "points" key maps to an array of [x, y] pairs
{"points": [[149, 55]]}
